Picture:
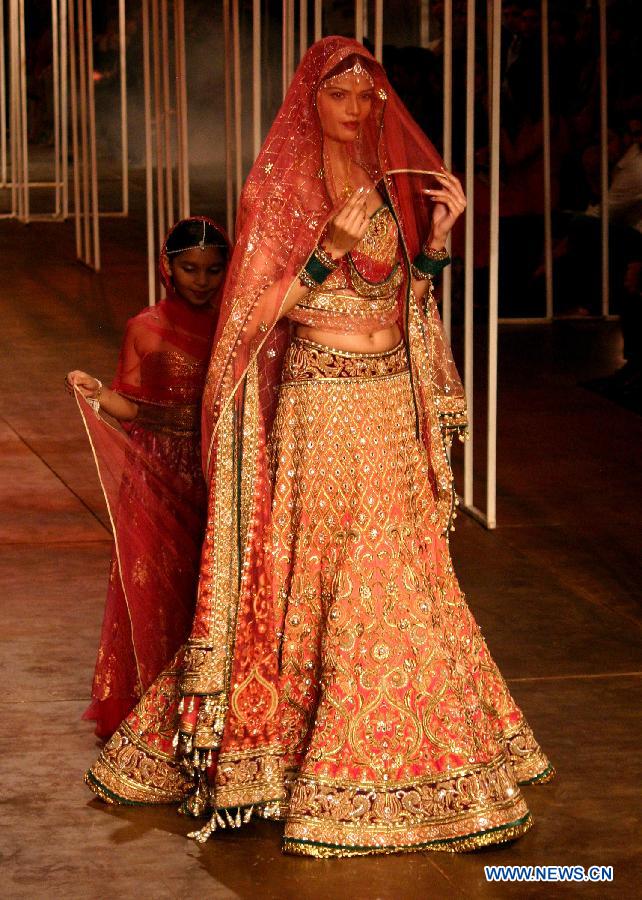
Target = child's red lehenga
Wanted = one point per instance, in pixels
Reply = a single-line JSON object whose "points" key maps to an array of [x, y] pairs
{"points": [[335, 678]]}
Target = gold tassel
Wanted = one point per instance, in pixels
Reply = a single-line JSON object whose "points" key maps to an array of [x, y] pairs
{"points": [[204, 833]]}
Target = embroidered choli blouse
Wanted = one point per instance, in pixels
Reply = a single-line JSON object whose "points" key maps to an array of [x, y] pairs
{"points": [[360, 295]]}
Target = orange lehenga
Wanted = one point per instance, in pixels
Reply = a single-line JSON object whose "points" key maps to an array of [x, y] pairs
{"points": [[346, 688]]}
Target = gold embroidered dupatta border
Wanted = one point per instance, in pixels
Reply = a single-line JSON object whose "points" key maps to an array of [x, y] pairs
{"points": [[208, 661]]}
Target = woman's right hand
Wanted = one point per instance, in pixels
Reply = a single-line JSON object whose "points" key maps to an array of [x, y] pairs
{"points": [[349, 224], [86, 384]]}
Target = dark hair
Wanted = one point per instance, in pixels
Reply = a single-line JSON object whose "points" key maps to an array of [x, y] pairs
{"points": [[189, 233]]}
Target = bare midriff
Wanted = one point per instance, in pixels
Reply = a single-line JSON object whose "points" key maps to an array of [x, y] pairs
{"points": [[374, 342]]}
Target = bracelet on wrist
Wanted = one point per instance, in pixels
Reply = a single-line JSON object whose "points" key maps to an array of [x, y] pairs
{"points": [[94, 401], [319, 265], [429, 262], [418, 274], [432, 253], [325, 258]]}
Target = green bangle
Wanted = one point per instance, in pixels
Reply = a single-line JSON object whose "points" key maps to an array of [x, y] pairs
{"points": [[430, 266], [316, 270]]}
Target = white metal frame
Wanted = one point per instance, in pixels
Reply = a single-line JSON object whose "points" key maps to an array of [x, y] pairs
{"points": [[549, 314], [72, 53], [167, 177]]}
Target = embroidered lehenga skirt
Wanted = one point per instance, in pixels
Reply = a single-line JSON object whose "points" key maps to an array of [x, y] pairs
{"points": [[396, 730], [399, 732]]}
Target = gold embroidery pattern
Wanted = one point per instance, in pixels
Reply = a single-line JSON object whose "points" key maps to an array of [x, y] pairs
{"points": [[245, 778], [307, 360], [500, 835], [528, 762], [427, 810], [209, 656], [386, 680], [137, 764], [169, 419]]}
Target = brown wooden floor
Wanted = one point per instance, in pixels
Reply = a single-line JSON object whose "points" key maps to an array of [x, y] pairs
{"points": [[555, 590]]}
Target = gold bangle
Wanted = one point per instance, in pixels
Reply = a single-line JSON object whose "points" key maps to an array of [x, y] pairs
{"points": [[307, 280], [417, 274], [325, 259], [435, 254], [94, 401]]}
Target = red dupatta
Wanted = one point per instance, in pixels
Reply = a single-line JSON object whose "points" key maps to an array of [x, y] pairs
{"points": [[231, 664]]}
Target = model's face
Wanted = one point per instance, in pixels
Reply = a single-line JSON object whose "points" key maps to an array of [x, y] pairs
{"points": [[344, 103], [197, 274]]}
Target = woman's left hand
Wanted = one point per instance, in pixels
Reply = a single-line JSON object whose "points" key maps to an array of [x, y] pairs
{"points": [[449, 203]]}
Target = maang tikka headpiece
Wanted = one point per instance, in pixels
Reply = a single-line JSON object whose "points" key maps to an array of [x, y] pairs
{"points": [[357, 70], [200, 246]]}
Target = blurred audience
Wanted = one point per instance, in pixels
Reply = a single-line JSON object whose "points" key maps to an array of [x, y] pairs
{"points": [[575, 145]]}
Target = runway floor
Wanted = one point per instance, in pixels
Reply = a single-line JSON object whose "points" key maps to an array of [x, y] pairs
{"points": [[555, 590]]}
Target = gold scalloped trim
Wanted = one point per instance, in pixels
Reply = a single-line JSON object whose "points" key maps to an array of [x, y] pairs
{"points": [[457, 845], [96, 787], [546, 776]]}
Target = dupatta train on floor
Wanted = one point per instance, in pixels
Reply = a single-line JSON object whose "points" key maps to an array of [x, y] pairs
{"points": [[152, 478], [343, 687]]}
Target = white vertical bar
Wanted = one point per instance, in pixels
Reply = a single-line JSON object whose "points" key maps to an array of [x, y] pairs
{"points": [[181, 109], [75, 149], [358, 20], [84, 139], [303, 27], [92, 138], [149, 159], [158, 121], [318, 20], [167, 113], [65, 61], [13, 104], [55, 69], [256, 77], [124, 136], [378, 30], [424, 23], [604, 158], [285, 6], [238, 142], [16, 132], [290, 41], [546, 134], [469, 260], [229, 164], [24, 177], [3, 103], [446, 285], [493, 277]]}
